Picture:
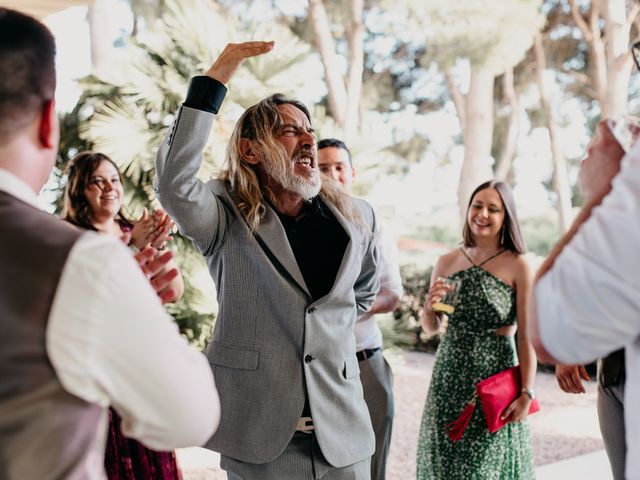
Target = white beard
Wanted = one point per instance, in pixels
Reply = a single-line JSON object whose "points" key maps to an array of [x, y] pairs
{"points": [[288, 179]]}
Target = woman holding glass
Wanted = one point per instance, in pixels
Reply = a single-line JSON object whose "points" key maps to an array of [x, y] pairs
{"points": [[93, 200], [494, 283]]}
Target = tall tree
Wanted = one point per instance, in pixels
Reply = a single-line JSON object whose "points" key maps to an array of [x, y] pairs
{"points": [[606, 27], [344, 92], [489, 39], [560, 175]]}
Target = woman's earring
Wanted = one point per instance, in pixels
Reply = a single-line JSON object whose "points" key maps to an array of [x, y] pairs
{"points": [[502, 237]]}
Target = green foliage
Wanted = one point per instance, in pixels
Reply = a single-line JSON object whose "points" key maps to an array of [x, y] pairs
{"points": [[406, 330], [492, 36], [126, 114], [540, 234], [436, 233]]}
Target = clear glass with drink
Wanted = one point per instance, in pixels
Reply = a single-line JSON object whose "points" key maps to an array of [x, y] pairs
{"points": [[449, 301]]}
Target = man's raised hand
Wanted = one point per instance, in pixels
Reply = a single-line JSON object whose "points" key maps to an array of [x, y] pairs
{"points": [[232, 56]]}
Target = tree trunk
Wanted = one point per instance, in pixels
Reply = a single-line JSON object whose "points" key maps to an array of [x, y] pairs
{"points": [[597, 55], [326, 47], [511, 142], [355, 40], [560, 176], [619, 61], [478, 132], [101, 46]]}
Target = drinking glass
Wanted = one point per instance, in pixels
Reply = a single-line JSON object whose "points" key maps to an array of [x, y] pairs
{"points": [[448, 303]]}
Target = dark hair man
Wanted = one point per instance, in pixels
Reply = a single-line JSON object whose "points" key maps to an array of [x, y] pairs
{"points": [[81, 327], [293, 262], [334, 160]]}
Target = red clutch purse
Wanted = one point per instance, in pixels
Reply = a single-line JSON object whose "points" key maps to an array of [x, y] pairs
{"points": [[495, 393]]}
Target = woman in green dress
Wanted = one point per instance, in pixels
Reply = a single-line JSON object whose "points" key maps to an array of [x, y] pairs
{"points": [[479, 341]]}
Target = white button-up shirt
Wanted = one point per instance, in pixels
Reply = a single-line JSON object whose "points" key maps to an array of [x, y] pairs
{"points": [[589, 302], [111, 342]]}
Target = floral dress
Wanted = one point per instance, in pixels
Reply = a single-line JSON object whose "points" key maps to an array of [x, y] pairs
{"points": [[470, 351]]}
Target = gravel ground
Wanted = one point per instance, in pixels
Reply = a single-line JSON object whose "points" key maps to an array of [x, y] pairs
{"points": [[565, 427]]}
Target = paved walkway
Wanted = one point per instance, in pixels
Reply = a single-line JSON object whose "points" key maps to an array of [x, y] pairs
{"points": [[566, 438]]}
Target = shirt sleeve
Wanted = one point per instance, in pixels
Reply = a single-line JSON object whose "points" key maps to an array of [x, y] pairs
{"points": [[205, 93], [588, 302], [388, 267], [111, 343]]}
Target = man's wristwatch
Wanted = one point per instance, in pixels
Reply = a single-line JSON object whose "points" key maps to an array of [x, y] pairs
{"points": [[530, 393]]}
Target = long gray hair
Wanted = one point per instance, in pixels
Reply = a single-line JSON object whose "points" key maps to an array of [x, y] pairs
{"points": [[260, 123]]}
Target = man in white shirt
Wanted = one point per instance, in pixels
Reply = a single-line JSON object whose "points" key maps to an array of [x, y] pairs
{"points": [[587, 295], [334, 160], [82, 328]]}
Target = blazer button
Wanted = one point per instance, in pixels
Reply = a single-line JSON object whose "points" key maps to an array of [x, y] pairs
{"points": [[308, 358], [311, 310]]}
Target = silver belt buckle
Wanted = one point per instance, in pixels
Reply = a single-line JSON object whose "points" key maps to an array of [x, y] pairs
{"points": [[305, 425]]}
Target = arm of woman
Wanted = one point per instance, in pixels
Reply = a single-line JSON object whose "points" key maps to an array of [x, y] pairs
{"points": [[519, 408], [429, 318]]}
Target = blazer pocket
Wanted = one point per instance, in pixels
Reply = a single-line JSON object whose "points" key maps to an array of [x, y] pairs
{"points": [[351, 367], [233, 357]]}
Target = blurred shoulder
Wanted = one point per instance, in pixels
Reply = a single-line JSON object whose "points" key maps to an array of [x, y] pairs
{"points": [[449, 261]]}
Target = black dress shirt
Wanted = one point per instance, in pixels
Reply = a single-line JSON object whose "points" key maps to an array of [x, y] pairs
{"points": [[318, 242]]}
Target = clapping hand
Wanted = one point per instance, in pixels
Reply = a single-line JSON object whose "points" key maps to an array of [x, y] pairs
{"points": [[153, 266], [162, 233], [152, 229]]}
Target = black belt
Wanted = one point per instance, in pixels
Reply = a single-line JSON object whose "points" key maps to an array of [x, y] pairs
{"points": [[362, 355]]}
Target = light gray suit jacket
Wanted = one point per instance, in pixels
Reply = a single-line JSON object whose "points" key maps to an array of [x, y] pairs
{"points": [[267, 323]]}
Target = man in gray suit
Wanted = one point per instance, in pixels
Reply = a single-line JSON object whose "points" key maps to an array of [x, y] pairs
{"points": [[293, 263]]}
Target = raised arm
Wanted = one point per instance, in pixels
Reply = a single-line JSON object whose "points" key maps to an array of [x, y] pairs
{"points": [[189, 201]]}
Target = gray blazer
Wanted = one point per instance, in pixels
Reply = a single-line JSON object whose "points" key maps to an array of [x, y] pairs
{"points": [[270, 339]]}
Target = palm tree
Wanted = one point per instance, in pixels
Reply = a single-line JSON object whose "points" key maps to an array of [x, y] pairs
{"points": [[125, 114]]}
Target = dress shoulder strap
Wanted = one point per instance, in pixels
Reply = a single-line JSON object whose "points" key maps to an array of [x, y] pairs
{"points": [[468, 258], [492, 256]]}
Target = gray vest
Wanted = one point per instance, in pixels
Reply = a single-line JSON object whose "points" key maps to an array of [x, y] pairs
{"points": [[45, 432]]}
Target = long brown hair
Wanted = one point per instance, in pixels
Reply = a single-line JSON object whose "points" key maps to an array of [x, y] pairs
{"points": [[261, 123], [511, 235], [76, 209]]}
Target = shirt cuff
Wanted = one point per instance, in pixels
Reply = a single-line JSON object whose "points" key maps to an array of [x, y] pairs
{"points": [[205, 93]]}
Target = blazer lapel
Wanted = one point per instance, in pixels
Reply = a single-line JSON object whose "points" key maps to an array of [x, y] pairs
{"points": [[350, 255], [273, 239]]}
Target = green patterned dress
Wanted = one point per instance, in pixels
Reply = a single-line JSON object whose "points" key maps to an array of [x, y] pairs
{"points": [[470, 351]]}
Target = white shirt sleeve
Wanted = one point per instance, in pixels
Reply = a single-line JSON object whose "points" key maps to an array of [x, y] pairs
{"points": [[388, 268], [111, 343], [589, 302]]}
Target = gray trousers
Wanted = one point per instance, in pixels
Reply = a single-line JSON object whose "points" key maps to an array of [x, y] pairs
{"points": [[301, 460], [377, 383], [611, 418]]}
